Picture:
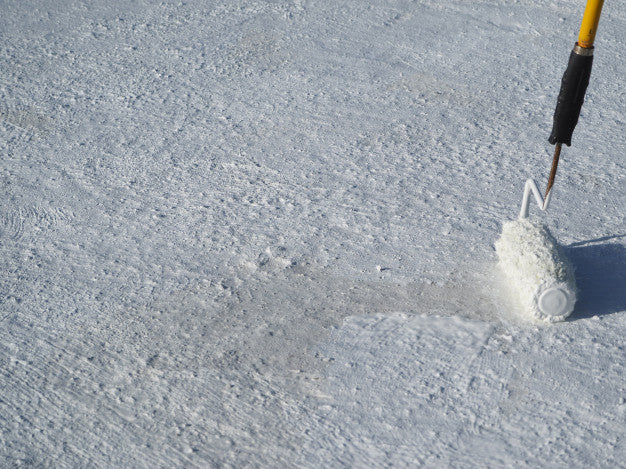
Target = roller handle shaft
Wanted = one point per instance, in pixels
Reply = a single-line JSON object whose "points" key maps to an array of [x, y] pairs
{"points": [[576, 77], [572, 95], [589, 25]]}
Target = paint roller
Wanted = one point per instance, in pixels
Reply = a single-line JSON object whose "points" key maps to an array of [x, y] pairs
{"points": [[530, 257], [535, 265]]}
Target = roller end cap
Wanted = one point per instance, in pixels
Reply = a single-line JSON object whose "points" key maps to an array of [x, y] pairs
{"points": [[556, 303]]}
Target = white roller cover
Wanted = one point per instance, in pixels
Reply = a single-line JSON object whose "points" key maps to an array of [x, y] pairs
{"points": [[537, 269]]}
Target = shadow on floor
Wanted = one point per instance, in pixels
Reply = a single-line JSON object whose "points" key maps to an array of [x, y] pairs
{"points": [[600, 277]]}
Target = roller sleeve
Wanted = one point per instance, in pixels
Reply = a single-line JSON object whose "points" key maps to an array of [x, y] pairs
{"points": [[537, 270]]}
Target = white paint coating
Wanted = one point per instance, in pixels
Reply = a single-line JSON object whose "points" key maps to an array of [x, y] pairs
{"points": [[259, 233]]}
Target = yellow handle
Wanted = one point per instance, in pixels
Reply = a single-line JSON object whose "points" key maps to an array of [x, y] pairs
{"points": [[589, 25]]}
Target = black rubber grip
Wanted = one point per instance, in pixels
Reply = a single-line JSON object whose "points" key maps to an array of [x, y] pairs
{"points": [[571, 97]]}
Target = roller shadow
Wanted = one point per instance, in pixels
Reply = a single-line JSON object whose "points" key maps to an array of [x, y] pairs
{"points": [[600, 277]]}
